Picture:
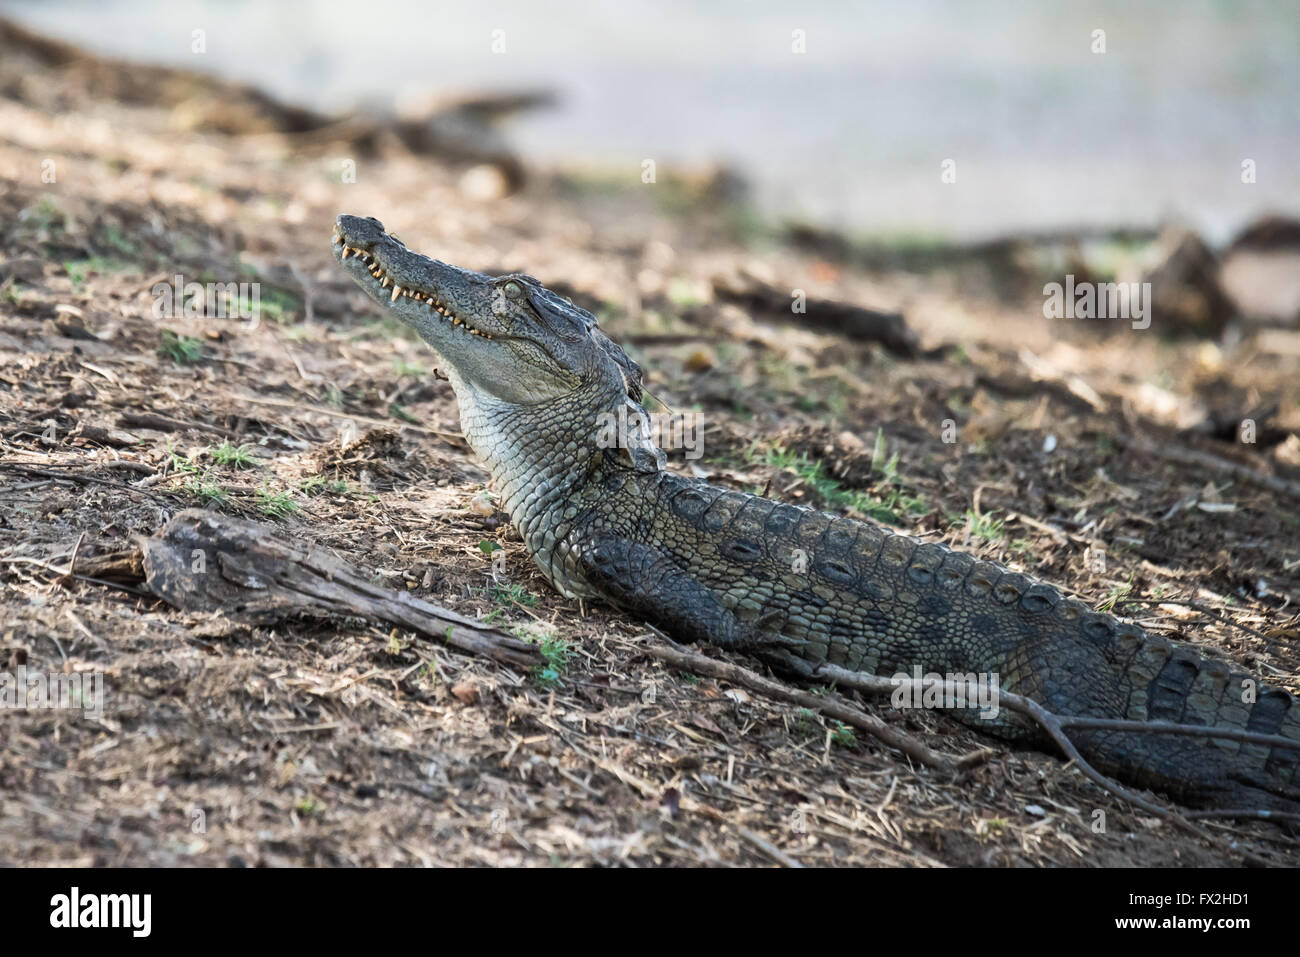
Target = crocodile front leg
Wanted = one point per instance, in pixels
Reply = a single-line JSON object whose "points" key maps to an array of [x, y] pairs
{"points": [[650, 584]]}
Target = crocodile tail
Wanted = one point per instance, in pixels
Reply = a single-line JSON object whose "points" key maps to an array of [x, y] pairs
{"points": [[1164, 681]]}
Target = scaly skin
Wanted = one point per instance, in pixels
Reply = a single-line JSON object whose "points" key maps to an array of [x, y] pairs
{"points": [[533, 377]]}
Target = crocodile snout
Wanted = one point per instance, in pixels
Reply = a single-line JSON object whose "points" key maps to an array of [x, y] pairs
{"points": [[361, 232]]}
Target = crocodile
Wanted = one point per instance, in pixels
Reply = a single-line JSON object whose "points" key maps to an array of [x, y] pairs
{"points": [[538, 383]]}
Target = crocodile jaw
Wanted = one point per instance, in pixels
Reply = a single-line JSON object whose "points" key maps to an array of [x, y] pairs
{"points": [[428, 295]]}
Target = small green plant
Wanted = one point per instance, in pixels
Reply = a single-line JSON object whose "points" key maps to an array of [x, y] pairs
{"points": [[275, 304], [555, 652], [115, 238], [397, 412], [805, 719], [487, 546], [182, 350], [79, 269], [209, 493], [309, 806], [45, 216], [843, 736], [231, 456], [319, 485], [276, 504], [883, 506], [180, 463], [984, 526], [1118, 595], [512, 594]]}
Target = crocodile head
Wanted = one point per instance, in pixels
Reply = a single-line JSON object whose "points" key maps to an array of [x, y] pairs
{"points": [[537, 383], [508, 337]]}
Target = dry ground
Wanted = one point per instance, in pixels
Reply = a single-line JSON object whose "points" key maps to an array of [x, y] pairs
{"points": [[340, 743]]}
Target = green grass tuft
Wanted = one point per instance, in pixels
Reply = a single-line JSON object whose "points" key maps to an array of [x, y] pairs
{"points": [[79, 269], [843, 736], [512, 594], [883, 505], [555, 652], [182, 350], [207, 492], [276, 504], [318, 485], [231, 456], [984, 526]]}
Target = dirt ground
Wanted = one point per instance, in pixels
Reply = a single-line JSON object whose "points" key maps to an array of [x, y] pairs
{"points": [[1100, 458]]}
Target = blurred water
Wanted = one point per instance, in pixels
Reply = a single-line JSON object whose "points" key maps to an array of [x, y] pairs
{"points": [[852, 133]]}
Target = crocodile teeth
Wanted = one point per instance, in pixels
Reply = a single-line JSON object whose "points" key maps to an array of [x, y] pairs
{"points": [[377, 272]]}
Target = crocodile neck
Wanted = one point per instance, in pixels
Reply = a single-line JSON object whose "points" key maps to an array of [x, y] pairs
{"points": [[543, 459]]}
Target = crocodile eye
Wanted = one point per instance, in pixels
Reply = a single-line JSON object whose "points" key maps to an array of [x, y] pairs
{"points": [[513, 289]]}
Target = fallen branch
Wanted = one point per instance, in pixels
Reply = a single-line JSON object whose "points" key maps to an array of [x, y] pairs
{"points": [[81, 479], [768, 303], [1203, 608], [1054, 726], [1171, 727], [828, 704], [832, 706], [206, 561], [1188, 456], [873, 684], [364, 419], [165, 423], [768, 848]]}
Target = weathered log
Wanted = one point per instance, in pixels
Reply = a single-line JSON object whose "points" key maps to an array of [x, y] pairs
{"points": [[769, 304], [206, 561]]}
